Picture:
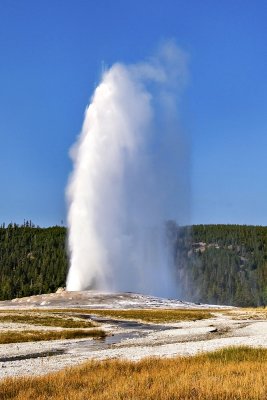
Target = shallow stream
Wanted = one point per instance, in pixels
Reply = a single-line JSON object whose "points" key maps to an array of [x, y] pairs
{"points": [[133, 329], [126, 330]]}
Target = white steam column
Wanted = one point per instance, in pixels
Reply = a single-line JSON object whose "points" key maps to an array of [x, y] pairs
{"points": [[124, 180]]}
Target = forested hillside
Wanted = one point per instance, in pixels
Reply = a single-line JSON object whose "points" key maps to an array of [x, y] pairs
{"points": [[33, 260], [219, 264]]}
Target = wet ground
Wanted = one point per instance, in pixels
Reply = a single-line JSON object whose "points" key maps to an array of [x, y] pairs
{"points": [[128, 330], [129, 339]]}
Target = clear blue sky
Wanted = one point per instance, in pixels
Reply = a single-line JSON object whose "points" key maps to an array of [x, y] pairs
{"points": [[51, 53]]}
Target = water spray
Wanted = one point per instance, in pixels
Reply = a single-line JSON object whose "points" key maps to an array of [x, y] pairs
{"points": [[127, 181]]}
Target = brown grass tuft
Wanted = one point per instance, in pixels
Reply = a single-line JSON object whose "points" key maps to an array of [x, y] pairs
{"points": [[34, 335], [62, 320]]}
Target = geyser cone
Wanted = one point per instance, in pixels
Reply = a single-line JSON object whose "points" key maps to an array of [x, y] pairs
{"points": [[119, 193]]}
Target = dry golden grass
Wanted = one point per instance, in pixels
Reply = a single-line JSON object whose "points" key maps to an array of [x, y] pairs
{"points": [[34, 335], [144, 315], [151, 315], [73, 328], [235, 373], [259, 313], [62, 320]]}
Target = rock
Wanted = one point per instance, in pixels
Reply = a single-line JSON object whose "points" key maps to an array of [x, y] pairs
{"points": [[61, 290]]}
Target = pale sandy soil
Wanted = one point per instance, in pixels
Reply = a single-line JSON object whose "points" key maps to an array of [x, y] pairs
{"points": [[132, 342]]}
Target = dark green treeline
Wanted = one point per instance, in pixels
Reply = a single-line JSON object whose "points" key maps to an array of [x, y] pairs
{"points": [[33, 260], [219, 264]]}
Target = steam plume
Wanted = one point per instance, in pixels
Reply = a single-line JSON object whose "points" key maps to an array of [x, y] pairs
{"points": [[129, 176]]}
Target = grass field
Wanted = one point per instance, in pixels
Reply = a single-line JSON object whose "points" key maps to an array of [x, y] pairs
{"points": [[150, 315], [36, 336], [45, 318], [63, 317], [155, 316], [259, 313], [234, 373], [72, 327]]}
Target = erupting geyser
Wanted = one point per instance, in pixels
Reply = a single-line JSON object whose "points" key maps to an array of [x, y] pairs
{"points": [[129, 178]]}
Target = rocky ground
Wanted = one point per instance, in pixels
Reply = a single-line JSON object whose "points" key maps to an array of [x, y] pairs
{"points": [[126, 339], [94, 299]]}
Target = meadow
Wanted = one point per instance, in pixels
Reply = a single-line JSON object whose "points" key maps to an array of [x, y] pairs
{"points": [[70, 323], [10, 336], [58, 326], [154, 315], [235, 373]]}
